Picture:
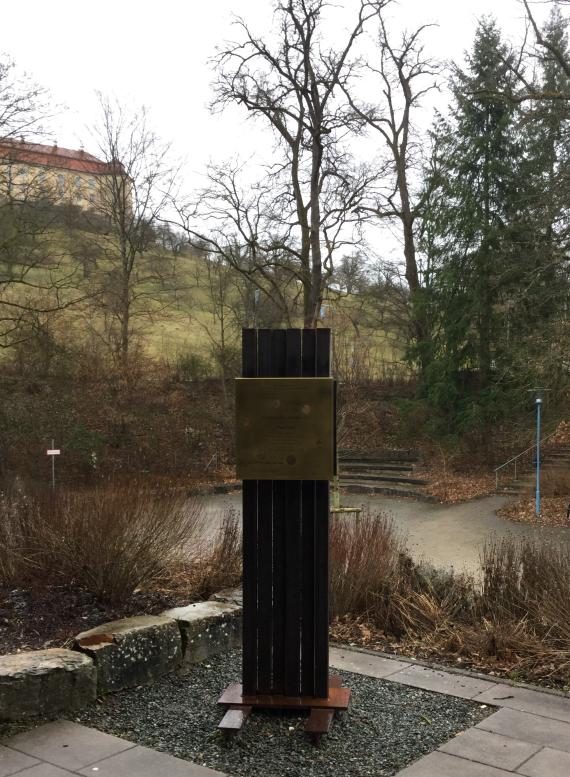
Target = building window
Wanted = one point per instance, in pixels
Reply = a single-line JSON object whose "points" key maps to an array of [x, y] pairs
{"points": [[91, 198], [91, 183], [78, 180]]}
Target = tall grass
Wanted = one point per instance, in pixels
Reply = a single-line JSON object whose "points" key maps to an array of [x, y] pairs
{"points": [[517, 615], [110, 540], [219, 563]]}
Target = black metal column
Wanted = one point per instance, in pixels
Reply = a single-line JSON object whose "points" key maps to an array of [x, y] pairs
{"points": [[285, 544]]}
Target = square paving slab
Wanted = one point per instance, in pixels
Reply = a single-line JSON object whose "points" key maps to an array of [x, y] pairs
{"points": [[547, 763], [529, 728], [528, 700], [364, 663], [442, 682], [12, 761], [46, 770], [143, 762], [67, 744], [490, 749], [444, 765]]}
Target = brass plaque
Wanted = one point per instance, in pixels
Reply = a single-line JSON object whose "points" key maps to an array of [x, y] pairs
{"points": [[285, 428]]}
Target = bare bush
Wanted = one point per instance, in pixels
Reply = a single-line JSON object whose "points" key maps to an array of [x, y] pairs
{"points": [[367, 558], [529, 581], [19, 515], [110, 539], [219, 564], [517, 619]]}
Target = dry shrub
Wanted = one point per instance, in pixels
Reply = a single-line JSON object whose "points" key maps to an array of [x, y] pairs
{"points": [[373, 577], [219, 563], [528, 581], [19, 519], [516, 619], [110, 539], [365, 565], [555, 482]]}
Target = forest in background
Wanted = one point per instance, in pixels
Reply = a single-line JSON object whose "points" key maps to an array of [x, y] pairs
{"points": [[120, 326]]}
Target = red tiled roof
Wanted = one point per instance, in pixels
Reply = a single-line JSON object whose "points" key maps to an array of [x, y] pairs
{"points": [[52, 156]]}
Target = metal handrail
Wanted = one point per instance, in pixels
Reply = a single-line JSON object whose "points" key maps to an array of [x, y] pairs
{"points": [[515, 458]]}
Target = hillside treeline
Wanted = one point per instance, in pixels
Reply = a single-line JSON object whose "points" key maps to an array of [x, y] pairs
{"points": [[441, 261]]}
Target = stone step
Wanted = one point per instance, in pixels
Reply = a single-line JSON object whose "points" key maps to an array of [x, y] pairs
{"points": [[387, 456], [514, 489], [370, 488], [354, 476], [373, 466]]}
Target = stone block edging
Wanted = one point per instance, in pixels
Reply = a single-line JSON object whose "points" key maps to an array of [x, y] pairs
{"points": [[43, 682], [115, 655], [132, 651], [207, 628]]}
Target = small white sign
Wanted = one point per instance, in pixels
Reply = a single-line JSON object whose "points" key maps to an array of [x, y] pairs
{"points": [[53, 452]]}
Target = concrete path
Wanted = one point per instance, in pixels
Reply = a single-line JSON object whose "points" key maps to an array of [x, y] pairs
{"points": [[445, 535], [64, 749], [529, 735], [452, 535]]}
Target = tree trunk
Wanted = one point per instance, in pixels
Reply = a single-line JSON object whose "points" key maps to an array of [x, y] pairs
{"points": [[125, 308], [314, 295]]}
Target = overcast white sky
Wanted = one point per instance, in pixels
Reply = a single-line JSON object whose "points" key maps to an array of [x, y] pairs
{"points": [[156, 53]]}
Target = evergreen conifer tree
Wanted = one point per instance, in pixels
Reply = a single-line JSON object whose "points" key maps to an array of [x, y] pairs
{"points": [[474, 210]]}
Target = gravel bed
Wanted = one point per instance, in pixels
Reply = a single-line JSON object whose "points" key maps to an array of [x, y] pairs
{"points": [[386, 728]]}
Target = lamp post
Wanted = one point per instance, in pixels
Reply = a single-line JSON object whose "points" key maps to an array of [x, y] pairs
{"points": [[538, 403]]}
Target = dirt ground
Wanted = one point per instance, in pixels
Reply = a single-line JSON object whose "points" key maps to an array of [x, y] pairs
{"points": [[34, 620], [554, 511]]}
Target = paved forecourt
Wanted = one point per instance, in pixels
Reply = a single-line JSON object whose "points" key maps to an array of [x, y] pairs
{"points": [[66, 749], [529, 734]]}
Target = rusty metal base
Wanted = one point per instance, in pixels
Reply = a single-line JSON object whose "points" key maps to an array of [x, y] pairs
{"points": [[321, 711]]}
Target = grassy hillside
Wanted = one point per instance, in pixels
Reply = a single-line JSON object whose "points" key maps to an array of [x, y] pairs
{"points": [[182, 308]]}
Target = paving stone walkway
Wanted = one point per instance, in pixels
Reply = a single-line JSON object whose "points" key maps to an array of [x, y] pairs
{"points": [[529, 734]]}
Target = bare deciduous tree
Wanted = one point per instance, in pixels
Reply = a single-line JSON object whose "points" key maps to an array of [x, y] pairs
{"points": [[304, 209], [404, 75], [35, 281], [133, 195], [23, 105]]}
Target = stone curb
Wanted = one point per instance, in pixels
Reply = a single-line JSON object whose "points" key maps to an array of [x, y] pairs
{"points": [[41, 682], [115, 655], [207, 628], [132, 651], [450, 669], [139, 650]]}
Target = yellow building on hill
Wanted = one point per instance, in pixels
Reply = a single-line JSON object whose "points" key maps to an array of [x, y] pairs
{"points": [[30, 171]]}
